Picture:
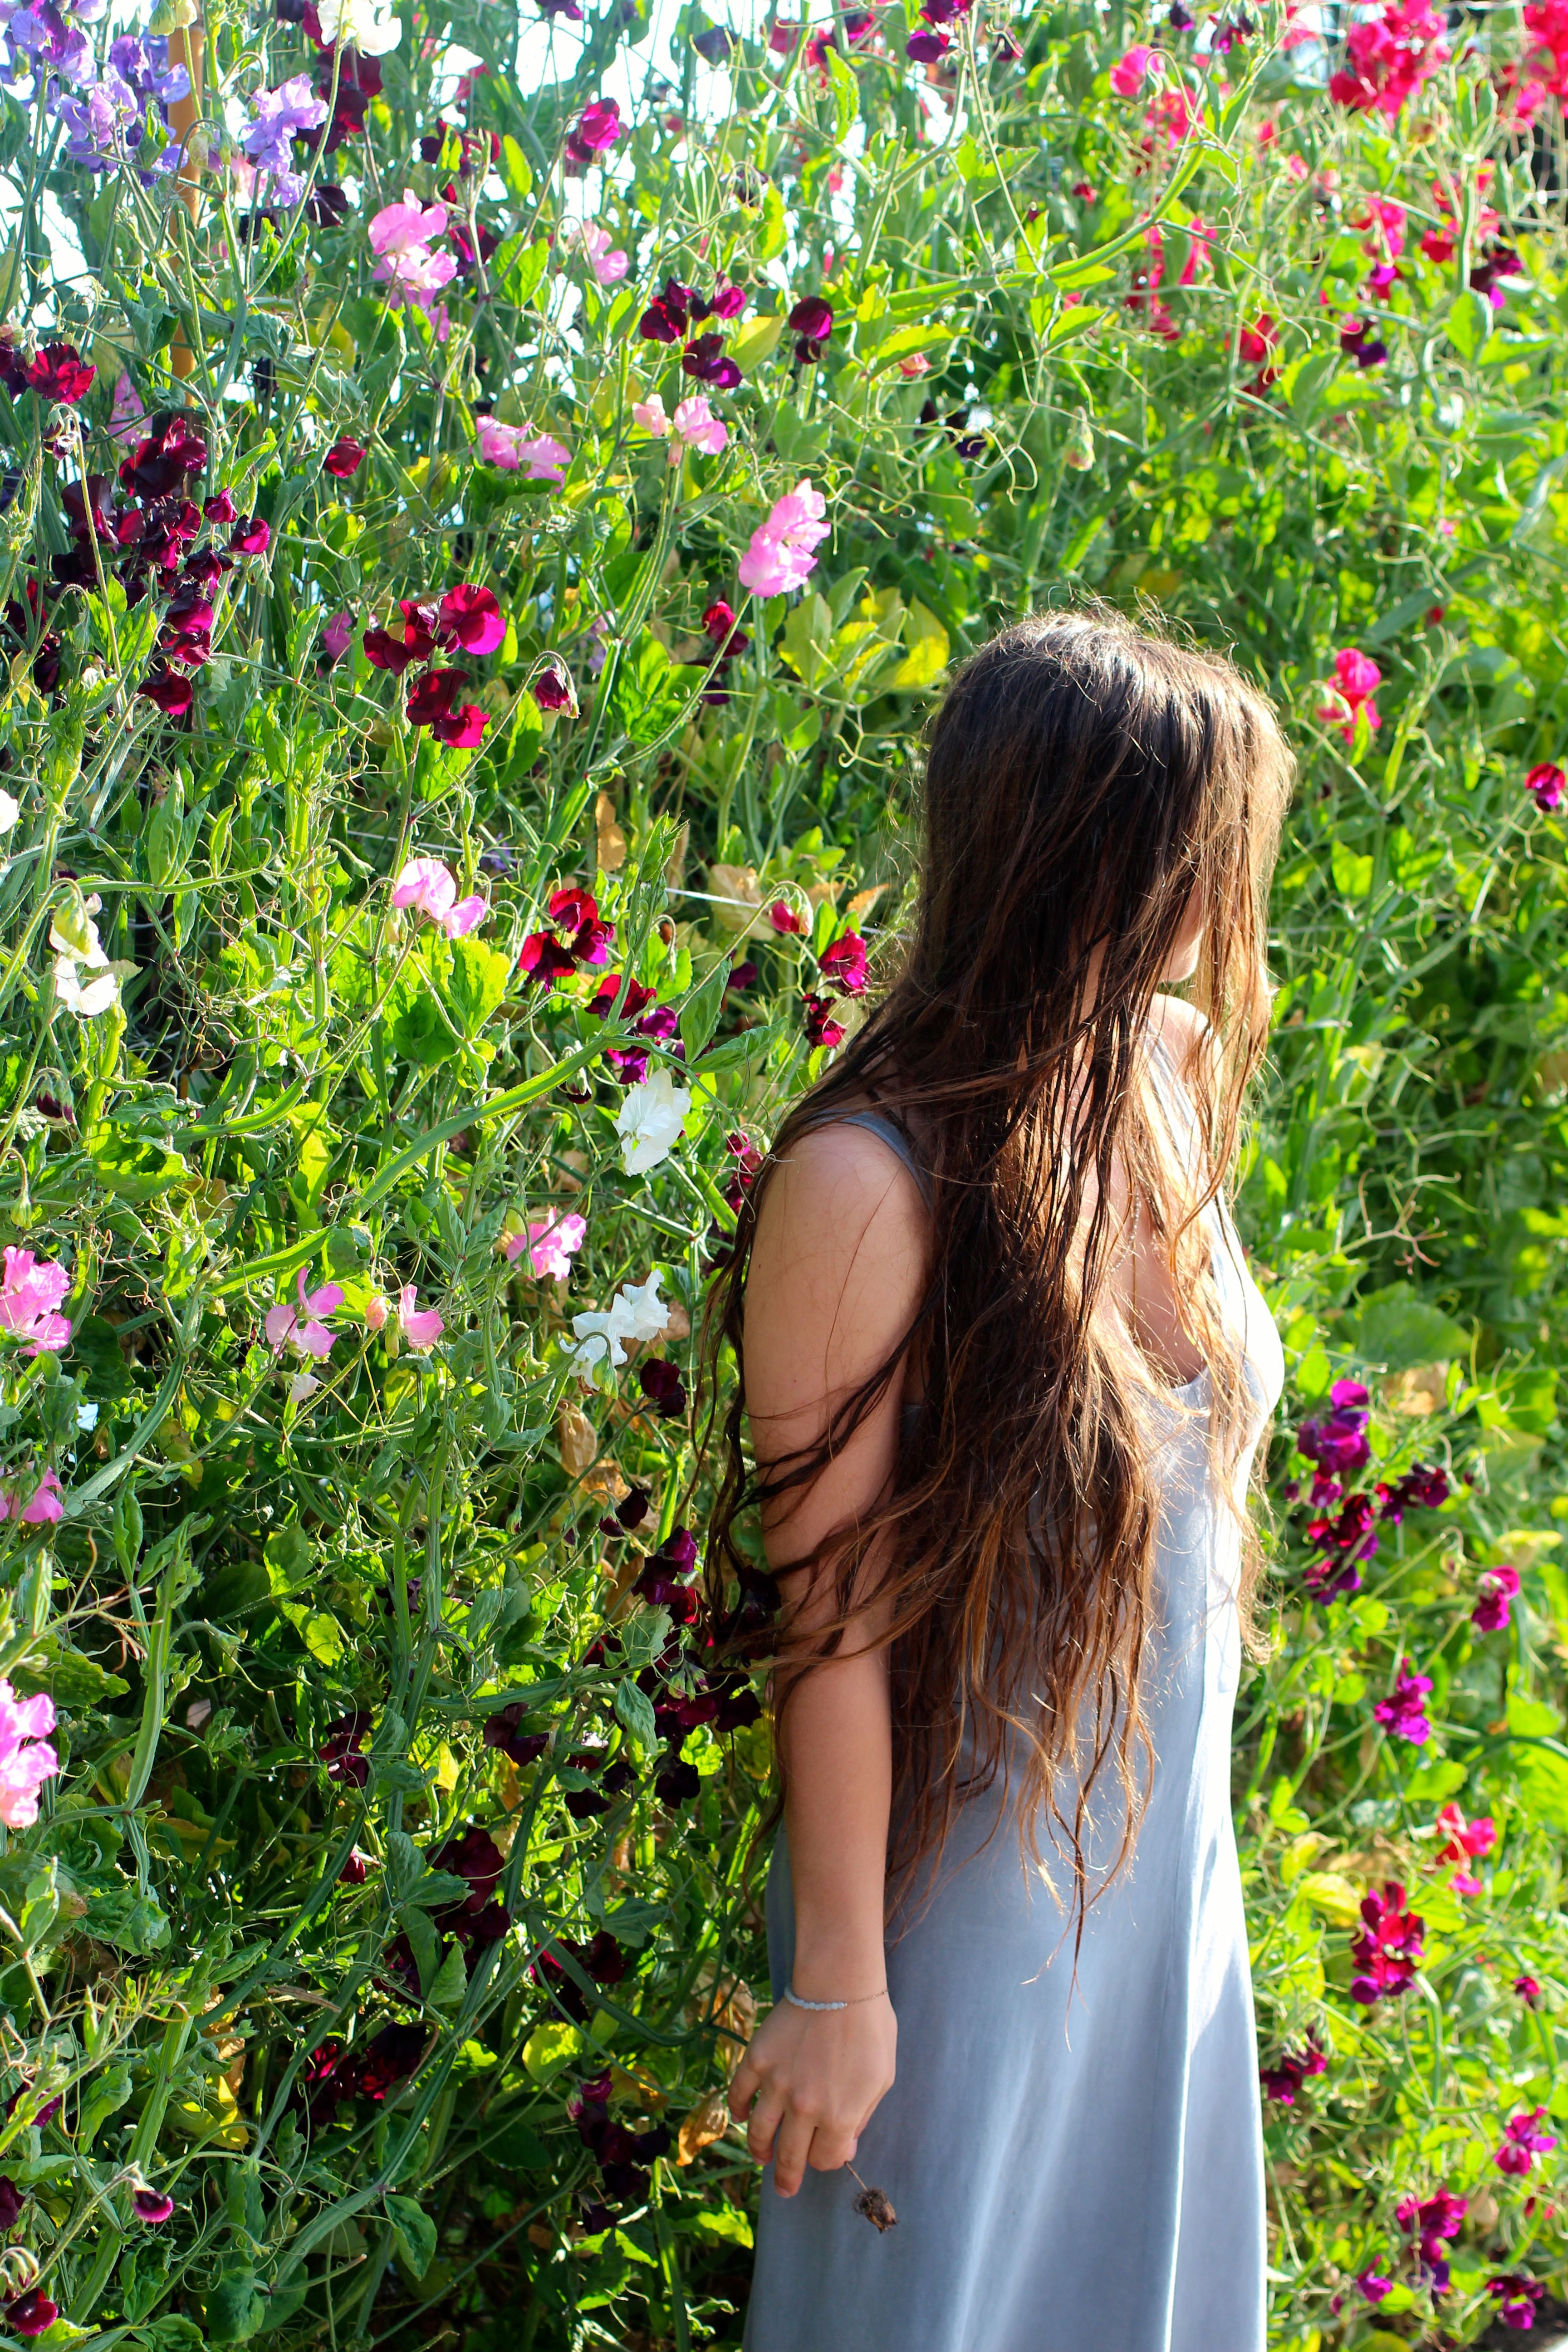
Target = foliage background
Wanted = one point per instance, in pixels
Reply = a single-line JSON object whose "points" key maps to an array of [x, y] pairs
{"points": [[371, 2122]]}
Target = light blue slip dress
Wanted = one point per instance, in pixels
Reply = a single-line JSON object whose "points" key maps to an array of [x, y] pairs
{"points": [[1076, 2166]]}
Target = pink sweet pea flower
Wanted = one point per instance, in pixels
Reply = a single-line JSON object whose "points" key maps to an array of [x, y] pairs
{"points": [[1357, 680], [1522, 2143], [650, 414], [26, 1758], [781, 556], [404, 228], [1498, 1587], [514, 450], [428, 885], [300, 1326], [30, 1290], [335, 636], [1465, 1839], [696, 425], [551, 1245], [1547, 783], [1129, 71], [605, 260], [376, 1312], [421, 1328], [43, 1508]]}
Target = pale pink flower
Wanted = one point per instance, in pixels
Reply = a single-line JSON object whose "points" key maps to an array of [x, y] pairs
{"points": [[604, 258], [376, 1313], [913, 364], [650, 414], [428, 885], [26, 1758], [514, 449], [696, 425], [336, 634], [126, 410], [1129, 71], [300, 1326], [551, 1244], [403, 235], [421, 1328], [780, 556], [30, 1290], [43, 1507]]}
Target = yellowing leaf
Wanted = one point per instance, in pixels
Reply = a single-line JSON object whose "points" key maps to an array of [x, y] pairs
{"points": [[925, 655], [322, 1637], [756, 343], [548, 2049], [1334, 1897]]}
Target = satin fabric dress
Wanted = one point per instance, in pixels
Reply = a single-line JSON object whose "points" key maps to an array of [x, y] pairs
{"points": [[1075, 2156]]}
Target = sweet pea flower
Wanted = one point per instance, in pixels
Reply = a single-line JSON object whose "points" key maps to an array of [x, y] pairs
{"points": [[1547, 783], [335, 637], [636, 1313], [650, 414], [1465, 1840], [430, 885], [1522, 2143], [1529, 1989], [650, 1120], [150, 2206], [301, 1327], [551, 1244], [843, 965], [1403, 1713], [31, 1290], [344, 457], [26, 1758], [359, 24], [606, 260], [1389, 1947], [302, 1386], [512, 448], [43, 1508], [420, 1326], [1283, 2081], [1432, 2221], [277, 118], [1517, 2294], [696, 425], [1498, 1587], [1130, 70], [596, 129], [403, 235], [781, 556], [1372, 2284], [1357, 680]]}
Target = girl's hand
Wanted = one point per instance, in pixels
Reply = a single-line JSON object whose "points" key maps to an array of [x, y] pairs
{"points": [[810, 2084]]}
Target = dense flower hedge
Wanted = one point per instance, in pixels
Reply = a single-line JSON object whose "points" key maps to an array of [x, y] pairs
{"points": [[484, 512]]}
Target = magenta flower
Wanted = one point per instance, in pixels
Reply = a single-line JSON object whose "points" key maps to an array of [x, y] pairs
{"points": [[1498, 1587], [1517, 2296], [44, 1507], [303, 1326], [59, 373], [1130, 70], [472, 618], [1523, 2142], [1529, 1989], [343, 458], [927, 46], [220, 507], [31, 1289], [821, 1028], [1548, 783], [152, 2208], [1283, 2079], [1466, 1839], [1372, 2284], [781, 555], [545, 959], [254, 537], [537, 456], [1432, 2222], [552, 1245], [596, 129], [335, 637], [1390, 57], [1337, 1440], [843, 965], [782, 916], [1357, 680], [1403, 1713], [27, 1757], [430, 885], [32, 2314], [552, 688], [1389, 1946]]}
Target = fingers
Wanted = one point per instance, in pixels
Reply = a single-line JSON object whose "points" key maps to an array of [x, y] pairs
{"points": [[744, 2084], [830, 2150], [767, 2112], [790, 2153]]}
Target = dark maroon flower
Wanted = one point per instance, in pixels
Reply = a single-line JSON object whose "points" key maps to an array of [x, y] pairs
{"points": [[1518, 2295], [552, 688], [393, 2055], [399, 650], [357, 1868], [811, 320], [1358, 342], [706, 361], [658, 323], [741, 975], [676, 1784], [728, 301], [660, 1383], [926, 45], [59, 373], [12, 2200], [462, 729], [32, 2314], [87, 513], [1421, 1488], [13, 366], [206, 568], [1389, 1947], [433, 696], [821, 1028], [1284, 2079], [162, 460], [474, 1856], [344, 457], [340, 1751], [843, 965], [253, 536], [503, 1732], [169, 689], [545, 959], [150, 2206]]}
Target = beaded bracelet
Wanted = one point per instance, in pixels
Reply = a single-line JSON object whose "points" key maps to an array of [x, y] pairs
{"points": [[795, 2001]]}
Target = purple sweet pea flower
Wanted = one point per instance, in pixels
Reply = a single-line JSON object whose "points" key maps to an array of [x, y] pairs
{"points": [[1337, 1441], [1404, 1713]]}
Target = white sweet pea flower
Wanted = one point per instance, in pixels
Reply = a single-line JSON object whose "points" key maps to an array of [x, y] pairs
{"points": [[649, 1122], [637, 1312], [10, 810], [302, 1385], [360, 24], [85, 998]]}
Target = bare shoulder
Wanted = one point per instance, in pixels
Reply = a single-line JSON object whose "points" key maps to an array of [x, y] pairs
{"points": [[1183, 1032]]}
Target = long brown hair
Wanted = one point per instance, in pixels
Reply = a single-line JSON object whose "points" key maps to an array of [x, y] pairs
{"points": [[1085, 780]]}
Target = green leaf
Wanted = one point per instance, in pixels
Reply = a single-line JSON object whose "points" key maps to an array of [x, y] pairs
{"points": [[757, 341], [515, 169], [236, 2308], [648, 693], [451, 1982], [519, 265], [478, 983], [415, 2230], [635, 1709], [1397, 1329], [773, 231], [1469, 323], [699, 1013]]}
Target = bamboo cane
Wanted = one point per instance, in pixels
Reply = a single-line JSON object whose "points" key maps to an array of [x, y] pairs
{"points": [[187, 47]]}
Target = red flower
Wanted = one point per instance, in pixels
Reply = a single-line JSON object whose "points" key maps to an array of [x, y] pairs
{"points": [[1283, 2079], [416, 643], [783, 918], [252, 538], [343, 458], [1255, 342], [843, 965], [59, 373], [172, 693], [821, 1029], [544, 960], [433, 696], [32, 2314], [462, 729]]}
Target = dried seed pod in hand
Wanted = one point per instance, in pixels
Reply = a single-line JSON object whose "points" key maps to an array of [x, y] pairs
{"points": [[873, 2204]]}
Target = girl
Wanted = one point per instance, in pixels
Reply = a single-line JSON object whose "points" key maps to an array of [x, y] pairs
{"points": [[1005, 1372]]}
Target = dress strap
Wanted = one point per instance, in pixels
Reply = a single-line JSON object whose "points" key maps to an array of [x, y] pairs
{"points": [[888, 1131]]}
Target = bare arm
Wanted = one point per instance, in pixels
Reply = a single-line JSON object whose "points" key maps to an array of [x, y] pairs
{"points": [[834, 1279]]}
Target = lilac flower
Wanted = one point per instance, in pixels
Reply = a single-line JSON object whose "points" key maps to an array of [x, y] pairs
{"points": [[1403, 1713], [278, 117]]}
